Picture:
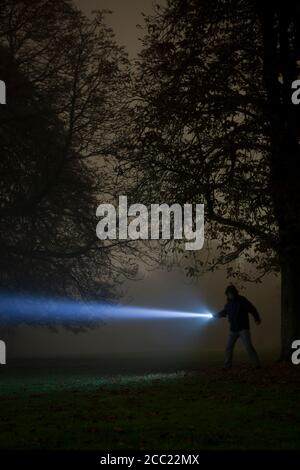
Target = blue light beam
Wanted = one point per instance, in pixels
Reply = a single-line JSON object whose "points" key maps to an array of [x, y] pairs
{"points": [[32, 309]]}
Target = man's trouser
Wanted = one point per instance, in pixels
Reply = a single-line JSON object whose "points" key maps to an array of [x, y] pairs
{"points": [[246, 339]]}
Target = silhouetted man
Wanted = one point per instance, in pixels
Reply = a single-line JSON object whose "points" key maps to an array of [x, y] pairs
{"points": [[237, 309]]}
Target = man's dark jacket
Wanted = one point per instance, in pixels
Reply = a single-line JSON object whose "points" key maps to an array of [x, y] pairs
{"points": [[237, 311]]}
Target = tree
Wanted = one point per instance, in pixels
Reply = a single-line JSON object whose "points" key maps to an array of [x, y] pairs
{"points": [[214, 123], [66, 82]]}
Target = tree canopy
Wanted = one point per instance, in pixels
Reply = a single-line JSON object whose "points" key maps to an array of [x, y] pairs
{"points": [[66, 79], [214, 123]]}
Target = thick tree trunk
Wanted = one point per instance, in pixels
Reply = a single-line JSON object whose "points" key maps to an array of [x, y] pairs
{"points": [[280, 30], [290, 306]]}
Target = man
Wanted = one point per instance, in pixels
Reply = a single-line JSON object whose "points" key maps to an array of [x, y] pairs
{"points": [[237, 309]]}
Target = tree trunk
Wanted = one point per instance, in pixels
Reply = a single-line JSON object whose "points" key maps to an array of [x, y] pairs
{"points": [[280, 30], [290, 306]]}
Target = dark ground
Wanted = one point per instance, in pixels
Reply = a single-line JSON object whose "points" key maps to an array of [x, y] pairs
{"points": [[112, 404]]}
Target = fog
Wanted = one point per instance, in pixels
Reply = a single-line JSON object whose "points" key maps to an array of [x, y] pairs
{"points": [[159, 288], [169, 290]]}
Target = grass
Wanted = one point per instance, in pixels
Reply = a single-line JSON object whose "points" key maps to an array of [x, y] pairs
{"points": [[205, 409]]}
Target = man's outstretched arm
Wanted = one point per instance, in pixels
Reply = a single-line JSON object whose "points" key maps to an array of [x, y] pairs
{"points": [[220, 314]]}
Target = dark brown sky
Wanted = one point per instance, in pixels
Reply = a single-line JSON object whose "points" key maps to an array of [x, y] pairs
{"points": [[126, 15], [160, 288]]}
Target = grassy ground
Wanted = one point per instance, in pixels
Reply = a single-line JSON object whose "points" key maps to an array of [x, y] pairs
{"points": [[206, 409]]}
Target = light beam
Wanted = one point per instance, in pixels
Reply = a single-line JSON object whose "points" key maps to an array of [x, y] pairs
{"points": [[33, 309]]}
